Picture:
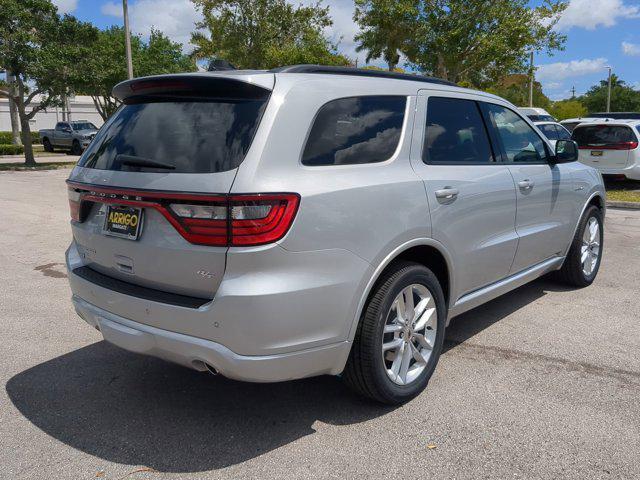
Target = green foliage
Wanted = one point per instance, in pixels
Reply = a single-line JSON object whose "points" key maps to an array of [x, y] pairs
{"points": [[385, 28], [10, 149], [470, 41], [106, 67], [259, 34], [45, 52], [6, 137], [623, 97], [515, 88], [568, 109]]}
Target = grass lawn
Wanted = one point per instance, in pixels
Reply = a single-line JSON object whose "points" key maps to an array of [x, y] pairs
{"points": [[623, 195], [4, 167]]}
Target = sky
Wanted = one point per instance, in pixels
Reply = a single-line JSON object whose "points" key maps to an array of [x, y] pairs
{"points": [[600, 33]]}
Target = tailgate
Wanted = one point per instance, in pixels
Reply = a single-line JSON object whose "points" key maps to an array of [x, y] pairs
{"points": [[148, 195]]}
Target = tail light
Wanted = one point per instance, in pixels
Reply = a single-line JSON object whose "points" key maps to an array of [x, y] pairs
{"points": [[613, 146], [221, 220]]}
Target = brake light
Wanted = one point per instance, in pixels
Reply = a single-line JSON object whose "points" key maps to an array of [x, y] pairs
{"points": [[220, 220], [613, 146], [75, 200], [260, 219]]}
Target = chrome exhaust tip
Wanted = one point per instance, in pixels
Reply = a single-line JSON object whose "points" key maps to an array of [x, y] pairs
{"points": [[211, 369]]}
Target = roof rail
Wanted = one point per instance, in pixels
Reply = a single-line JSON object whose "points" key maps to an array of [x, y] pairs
{"points": [[360, 72]]}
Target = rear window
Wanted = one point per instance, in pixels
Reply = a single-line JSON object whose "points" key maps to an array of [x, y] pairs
{"points": [[179, 136], [355, 130], [602, 135]]}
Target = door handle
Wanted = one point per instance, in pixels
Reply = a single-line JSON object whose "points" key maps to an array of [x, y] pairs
{"points": [[447, 193], [526, 184]]}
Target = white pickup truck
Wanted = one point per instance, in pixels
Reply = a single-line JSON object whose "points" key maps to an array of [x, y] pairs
{"points": [[74, 136]]}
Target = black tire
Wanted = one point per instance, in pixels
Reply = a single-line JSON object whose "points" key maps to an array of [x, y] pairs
{"points": [[47, 145], [365, 372], [76, 149], [571, 272]]}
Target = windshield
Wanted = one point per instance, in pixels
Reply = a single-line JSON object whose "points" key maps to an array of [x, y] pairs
{"points": [[602, 135], [83, 126], [189, 136]]}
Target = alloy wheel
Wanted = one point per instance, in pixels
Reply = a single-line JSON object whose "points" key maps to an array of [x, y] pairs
{"points": [[590, 250], [409, 334]]}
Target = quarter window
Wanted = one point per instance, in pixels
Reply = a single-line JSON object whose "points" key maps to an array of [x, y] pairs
{"points": [[455, 133], [355, 130], [520, 142]]}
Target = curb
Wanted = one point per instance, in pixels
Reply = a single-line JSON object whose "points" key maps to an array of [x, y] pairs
{"points": [[624, 205]]}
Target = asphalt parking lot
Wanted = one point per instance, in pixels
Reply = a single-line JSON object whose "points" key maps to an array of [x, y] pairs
{"points": [[541, 383]]}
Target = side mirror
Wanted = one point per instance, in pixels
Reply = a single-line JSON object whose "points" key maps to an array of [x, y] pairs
{"points": [[566, 151], [66, 130]]}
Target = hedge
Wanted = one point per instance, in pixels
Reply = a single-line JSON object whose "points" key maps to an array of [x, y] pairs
{"points": [[11, 149], [6, 137]]}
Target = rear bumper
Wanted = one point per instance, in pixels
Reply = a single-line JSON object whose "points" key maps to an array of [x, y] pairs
{"points": [[277, 315], [632, 172], [196, 352]]}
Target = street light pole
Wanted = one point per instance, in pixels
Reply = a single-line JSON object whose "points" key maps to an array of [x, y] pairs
{"points": [[531, 78], [609, 91], [127, 39]]}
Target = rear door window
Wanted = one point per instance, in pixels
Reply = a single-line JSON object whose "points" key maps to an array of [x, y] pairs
{"points": [[455, 133], [180, 136], [520, 142], [602, 135], [355, 130]]}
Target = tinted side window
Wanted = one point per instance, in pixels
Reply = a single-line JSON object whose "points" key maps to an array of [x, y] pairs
{"points": [[563, 133], [355, 130], [455, 132], [520, 142], [549, 131]]}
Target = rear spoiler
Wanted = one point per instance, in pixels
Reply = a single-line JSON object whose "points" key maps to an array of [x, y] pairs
{"points": [[191, 86]]}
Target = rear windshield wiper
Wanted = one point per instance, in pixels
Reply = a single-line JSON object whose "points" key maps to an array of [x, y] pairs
{"points": [[134, 161]]}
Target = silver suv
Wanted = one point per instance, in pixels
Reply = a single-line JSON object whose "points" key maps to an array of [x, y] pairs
{"points": [[273, 225]]}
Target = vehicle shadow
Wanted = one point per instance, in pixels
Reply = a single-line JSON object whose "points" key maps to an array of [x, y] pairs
{"points": [[469, 324], [136, 410]]}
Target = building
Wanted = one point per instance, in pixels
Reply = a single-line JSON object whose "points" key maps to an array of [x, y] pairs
{"points": [[81, 107]]}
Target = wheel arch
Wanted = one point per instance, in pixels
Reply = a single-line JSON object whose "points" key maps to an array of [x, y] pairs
{"points": [[427, 252]]}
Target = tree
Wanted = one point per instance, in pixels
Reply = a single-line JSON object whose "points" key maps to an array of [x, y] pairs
{"points": [[623, 97], [515, 88], [470, 41], [107, 67], [385, 28], [45, 53], [571, 108], [259, 34]]}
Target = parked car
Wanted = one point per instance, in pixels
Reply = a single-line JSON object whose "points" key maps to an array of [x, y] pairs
{"points": [[537, 114], [274, 225], [553, 131], [74, 136], [571, 123], [617, 115], [610, 146]]}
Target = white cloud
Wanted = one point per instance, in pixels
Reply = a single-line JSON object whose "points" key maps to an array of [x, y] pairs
{"points": [[631, 49], [112, 9], [591, 14], [555, 72], [553, 85], [65, 6], [174, 18]]}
